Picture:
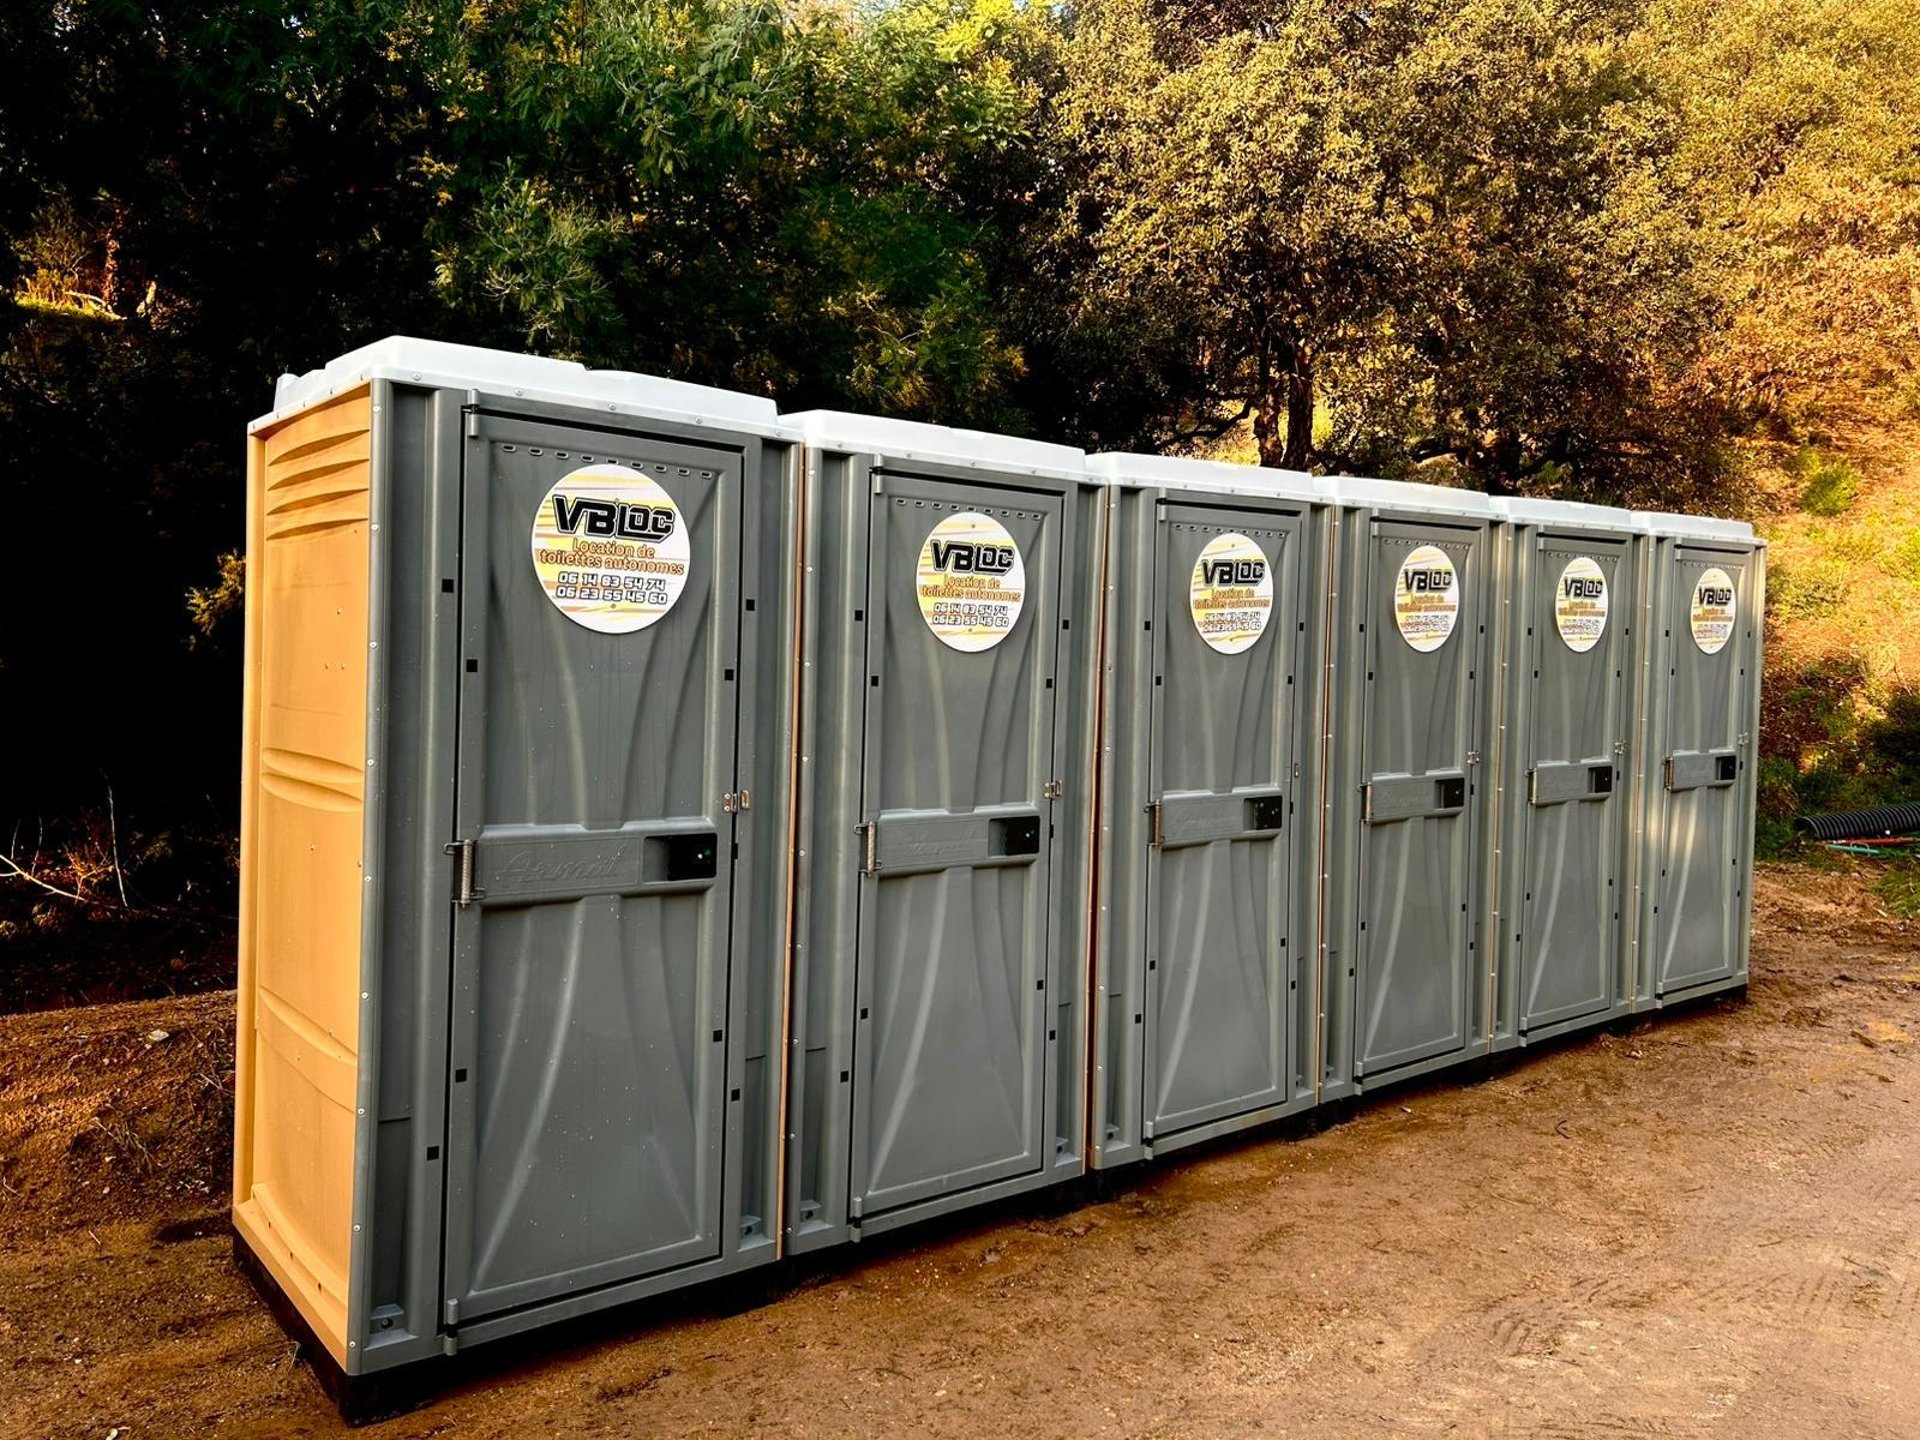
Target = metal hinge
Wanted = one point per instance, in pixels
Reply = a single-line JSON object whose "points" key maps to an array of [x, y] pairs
{"points": [[1154, 834], [453, 1312], [1054, 789], [1473, 757], [869, 834], [1619, 747], [734, 801], [465, 892]]}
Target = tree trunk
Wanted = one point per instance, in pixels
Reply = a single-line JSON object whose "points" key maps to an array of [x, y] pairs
{"points": [[1299, 448], [1267, 403], [110, 271]]}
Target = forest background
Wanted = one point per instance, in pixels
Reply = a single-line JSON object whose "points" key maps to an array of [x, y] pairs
{"points": [[1652, 252]]}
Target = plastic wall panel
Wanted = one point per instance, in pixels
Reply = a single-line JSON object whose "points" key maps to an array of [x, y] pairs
{"points": [[304, 778]]}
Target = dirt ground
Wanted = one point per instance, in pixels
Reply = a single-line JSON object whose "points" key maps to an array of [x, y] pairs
{"points": [[1710, 1225]]}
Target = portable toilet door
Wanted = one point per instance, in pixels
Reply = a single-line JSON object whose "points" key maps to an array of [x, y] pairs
{"points": [[1409, 810], [1707, 582], [945, 822], [1213, 682], [518, 649], [1569, 708]]}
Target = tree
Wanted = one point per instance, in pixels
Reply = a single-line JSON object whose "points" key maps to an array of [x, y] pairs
{"points": [[1423, 230], [786, 201], [1238, 192], [1798, 125]]}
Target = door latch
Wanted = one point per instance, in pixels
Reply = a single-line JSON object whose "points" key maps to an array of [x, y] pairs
{"points": [[465, 892], [869, 834], [734, 801], [1054, 789]]}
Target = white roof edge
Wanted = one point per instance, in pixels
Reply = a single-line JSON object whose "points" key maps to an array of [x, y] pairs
{"points": [[1411, 495], [1694, 527], [1527, 510], [918, 440], [1181, 472], [438, 362]]}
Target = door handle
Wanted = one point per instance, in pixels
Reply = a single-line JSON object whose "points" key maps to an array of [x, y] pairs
{"points": [[1701, 769], [1561, 782], [1176, 820], [1392, 798], [915, 842]]}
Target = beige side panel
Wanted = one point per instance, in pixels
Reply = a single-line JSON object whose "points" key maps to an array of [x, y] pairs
{"points": [[303, 812]]}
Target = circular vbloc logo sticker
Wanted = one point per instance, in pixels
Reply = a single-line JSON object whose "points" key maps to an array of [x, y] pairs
{"points": [[1426, 600], [1580, 604], [1712, 616], [971, 582], [611, 548], [1231, 593]]}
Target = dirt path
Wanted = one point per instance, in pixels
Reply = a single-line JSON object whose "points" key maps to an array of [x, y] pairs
{"points": [[1710, 1226]]}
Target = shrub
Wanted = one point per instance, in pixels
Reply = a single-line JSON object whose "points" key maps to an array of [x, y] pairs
{"points": [[1902, 557], [1831, 483], [1900, 888], [1806, 591]]}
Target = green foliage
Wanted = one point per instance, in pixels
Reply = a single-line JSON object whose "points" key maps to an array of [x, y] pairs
{"points": [[1773, 837], [1830, 483], [1825, 748], [1806, 591], [1451, 226], [1560, 246], [212, 609], [1798, 125], [1899, 888], [1902, 556], [731, 192]]}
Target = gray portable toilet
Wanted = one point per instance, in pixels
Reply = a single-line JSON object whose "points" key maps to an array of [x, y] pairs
{"points": [[1407, 986], [1213, 675], [943, 852], [1570, 625], [1696, 777], [512, 939]]}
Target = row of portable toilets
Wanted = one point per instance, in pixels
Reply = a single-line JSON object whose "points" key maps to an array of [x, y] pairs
{"points": [[679, 835]]}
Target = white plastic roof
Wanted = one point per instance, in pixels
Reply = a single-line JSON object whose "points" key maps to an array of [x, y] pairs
{"points": [[1524, 511], [914, 440], [1694, 527], [619, 392], [1174, 472], [1410, 495]]}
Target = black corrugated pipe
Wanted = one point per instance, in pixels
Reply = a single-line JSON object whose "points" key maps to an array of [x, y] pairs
{"points": [[1878, 823]]}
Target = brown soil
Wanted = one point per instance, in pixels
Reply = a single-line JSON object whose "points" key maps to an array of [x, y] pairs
{"points": [[1709, 1225]]}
